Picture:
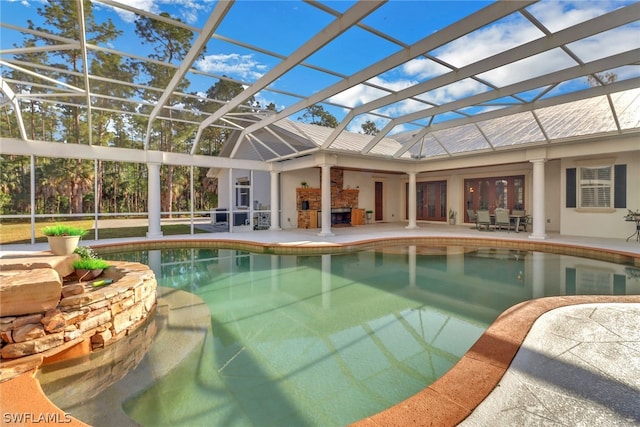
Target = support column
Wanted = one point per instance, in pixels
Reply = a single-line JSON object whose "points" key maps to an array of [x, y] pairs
{"points": [[153, 197], [326, 201], [275, 201], [539, 212], [412, 201]]}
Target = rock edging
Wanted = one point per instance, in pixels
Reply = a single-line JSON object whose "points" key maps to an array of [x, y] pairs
{"points": [[85, 317]]}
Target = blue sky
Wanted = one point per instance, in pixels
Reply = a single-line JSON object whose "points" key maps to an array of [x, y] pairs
{"points": [[280, 27]]}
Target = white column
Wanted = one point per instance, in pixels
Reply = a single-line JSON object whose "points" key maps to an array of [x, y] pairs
{"points": [[326, 201], [412, 201], [153, 197], [231, 198], [275, 201], [539, 213]]}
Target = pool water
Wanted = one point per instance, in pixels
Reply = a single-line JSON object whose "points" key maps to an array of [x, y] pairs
{"points": [[326, 340]]}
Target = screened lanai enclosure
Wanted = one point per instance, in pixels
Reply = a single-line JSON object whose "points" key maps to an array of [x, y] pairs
{"points": [[201, 110]]}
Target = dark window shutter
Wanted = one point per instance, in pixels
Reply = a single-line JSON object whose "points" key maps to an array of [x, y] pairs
{"points": [[620, 186], [571, 187]]}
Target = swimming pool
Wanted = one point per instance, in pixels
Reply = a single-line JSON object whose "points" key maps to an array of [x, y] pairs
{"points": [[330, 339]]}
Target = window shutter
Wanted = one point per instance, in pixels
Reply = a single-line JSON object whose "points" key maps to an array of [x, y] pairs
{"points": [[620, 186], [571, 188]]}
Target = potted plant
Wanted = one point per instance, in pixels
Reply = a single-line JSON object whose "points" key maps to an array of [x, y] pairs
{"points": [[89, 268], [369, 215], [452, 217], [304, 184], [632, 215], [63, 239]]}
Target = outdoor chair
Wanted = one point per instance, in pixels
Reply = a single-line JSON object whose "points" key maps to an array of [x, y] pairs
{"points": [[484, 220], [472, 217], [524, 218], [502, 219]]}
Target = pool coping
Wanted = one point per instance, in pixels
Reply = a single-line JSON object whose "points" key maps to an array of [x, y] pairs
{"points": [[446, 402]]}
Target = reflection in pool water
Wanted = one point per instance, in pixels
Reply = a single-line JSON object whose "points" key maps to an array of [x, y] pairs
{"points": [[325, 340]]}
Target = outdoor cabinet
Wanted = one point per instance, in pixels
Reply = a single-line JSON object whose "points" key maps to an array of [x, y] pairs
{"points": [[357, 216]]}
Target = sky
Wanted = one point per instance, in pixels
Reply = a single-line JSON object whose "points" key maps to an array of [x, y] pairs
{"points": [[279, 28]]}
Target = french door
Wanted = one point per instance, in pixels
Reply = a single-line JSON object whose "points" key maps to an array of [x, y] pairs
{"points": [[497, 192], [431, 200]]}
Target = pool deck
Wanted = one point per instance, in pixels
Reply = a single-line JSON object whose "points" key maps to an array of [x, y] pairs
{"points": [[550, 361]]}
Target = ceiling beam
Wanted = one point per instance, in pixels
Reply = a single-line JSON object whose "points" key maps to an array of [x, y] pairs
{"points": [[322, 38], [568, 35], [209, 28], [8, 92], [466, 25], [549, 102], [85, 66]]}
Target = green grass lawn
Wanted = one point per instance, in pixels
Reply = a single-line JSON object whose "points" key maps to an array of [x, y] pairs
{"points": [[20, 233]]}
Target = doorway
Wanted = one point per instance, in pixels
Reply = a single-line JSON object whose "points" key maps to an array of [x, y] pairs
{"points": [[431, 201], [378, 201]]}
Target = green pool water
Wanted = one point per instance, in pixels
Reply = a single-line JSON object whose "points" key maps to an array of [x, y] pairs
{"points": [[326, 340]]}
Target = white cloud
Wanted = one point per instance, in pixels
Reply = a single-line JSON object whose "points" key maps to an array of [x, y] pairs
{"points": [[608, 43], [357, 95], [233, 64], [188, 10], [556, 15], [527, 68], [488, 41], [361, 94], [126, 16], [424, 68], [453, 91]]}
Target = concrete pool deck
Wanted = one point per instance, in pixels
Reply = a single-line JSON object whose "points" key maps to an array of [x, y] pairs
{"points": [[558, 360]]}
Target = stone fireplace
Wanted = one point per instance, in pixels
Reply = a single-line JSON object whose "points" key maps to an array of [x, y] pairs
{"points": [[344, 201]]}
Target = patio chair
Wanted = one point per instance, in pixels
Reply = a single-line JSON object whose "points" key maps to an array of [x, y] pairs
{"points": [[484, 219], [502, 219], [472, 217], [524, 218]]}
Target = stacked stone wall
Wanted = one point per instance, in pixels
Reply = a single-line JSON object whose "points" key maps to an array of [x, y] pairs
{"points": [[99, 315]]}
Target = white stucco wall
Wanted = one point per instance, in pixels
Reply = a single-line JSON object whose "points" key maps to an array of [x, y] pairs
{"points": [[558, 218], [393, 209], [608, 224]]}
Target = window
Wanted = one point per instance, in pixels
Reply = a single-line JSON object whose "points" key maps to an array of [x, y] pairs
{"points": [[243, 188], [596, 184]]}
